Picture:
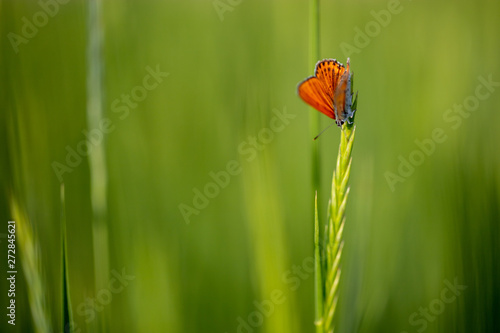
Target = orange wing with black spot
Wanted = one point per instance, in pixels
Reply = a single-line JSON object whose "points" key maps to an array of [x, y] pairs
{"points": [[319, 91], [329, 71]]}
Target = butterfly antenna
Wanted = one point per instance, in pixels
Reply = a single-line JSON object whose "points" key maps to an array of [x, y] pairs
{"points": [[317, 136]]}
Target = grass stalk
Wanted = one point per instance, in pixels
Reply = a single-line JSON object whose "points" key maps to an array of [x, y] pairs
{"points": [[318, 278], [31, 261], [314, 116], [327, 262], [67, 314], [334, 240], [314, 126], [97, 156]]}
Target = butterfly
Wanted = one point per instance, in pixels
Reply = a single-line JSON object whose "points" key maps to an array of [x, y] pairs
{"points": [[329, 90]]}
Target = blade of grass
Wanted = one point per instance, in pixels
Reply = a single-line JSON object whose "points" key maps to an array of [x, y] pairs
{"points": [[314, 125], [30, 259], [67, 314], [314, 116], [97, 156], [318, 277]]}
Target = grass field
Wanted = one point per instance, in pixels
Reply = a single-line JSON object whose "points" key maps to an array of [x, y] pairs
{"points": [[193, 210]]}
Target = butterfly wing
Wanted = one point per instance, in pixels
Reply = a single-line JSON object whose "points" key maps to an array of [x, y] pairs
{"points": [[342, 98], [329, 72], [316, 94], [339, 98]]}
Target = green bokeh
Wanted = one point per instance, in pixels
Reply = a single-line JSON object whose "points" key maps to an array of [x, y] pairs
{"points": [[228, 79]]}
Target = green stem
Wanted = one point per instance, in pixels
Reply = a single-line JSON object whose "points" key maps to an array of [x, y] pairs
{"points": [[314, 124], [314, 116], [318, 278], [334, 243]]}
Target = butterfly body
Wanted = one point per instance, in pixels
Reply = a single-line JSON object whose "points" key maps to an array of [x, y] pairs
{"points": [[329, 90]]}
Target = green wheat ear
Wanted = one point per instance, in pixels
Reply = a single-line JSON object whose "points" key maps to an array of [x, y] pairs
{"points": [[327, 262], [328, 269]]}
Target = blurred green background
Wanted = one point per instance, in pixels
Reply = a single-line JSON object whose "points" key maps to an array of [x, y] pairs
{"points": [[241, 264]]}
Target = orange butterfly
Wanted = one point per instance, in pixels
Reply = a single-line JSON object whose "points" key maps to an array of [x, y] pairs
{"points": [[329, 90]]}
